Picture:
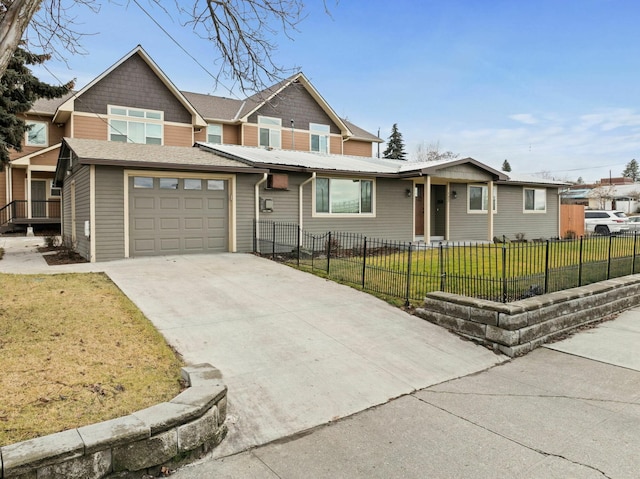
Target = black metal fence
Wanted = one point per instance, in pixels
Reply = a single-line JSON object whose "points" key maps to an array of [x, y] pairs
{"points": [[502, 272]]}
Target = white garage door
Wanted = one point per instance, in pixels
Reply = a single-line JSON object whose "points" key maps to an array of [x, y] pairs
{"points": [[177, 216]]}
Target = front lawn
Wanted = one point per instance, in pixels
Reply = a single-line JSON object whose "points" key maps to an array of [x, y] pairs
{"points": [[74, 351]]}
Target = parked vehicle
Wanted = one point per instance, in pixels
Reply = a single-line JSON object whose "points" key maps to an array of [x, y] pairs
{"points": [[604, 222], [634, 223]]}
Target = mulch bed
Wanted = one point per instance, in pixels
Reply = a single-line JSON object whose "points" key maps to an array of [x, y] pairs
{"points": [[56, 255]]}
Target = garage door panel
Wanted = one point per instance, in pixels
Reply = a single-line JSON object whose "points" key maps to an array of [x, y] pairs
{"points": [[178, 221], [191, 244], [144, 203], [193, 223], [144, 224], [170, 203], [193, 204]]}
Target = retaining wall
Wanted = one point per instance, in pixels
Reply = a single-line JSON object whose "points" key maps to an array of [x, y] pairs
{"points": [[167, 434], [518, 327]]}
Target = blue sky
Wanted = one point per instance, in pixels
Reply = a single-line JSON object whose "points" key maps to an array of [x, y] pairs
{"points": [[551, 85]]}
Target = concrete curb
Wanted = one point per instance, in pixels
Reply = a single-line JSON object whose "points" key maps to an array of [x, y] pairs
{"points": [[164, 435], [519, 327]]}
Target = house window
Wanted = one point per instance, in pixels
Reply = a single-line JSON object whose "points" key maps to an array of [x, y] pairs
{"points": [[478, 199], [130, 125], [343, 196], [54, 192], [319, 137], [192, 184], [36, 134], [535, 200], [142, 182], [269, 131], [215, 185], [168, 183], [214, 134]]}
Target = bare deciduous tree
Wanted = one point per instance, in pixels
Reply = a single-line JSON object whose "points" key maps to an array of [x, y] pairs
{"points": [[602, 194], [242, 31], [432, 152]]}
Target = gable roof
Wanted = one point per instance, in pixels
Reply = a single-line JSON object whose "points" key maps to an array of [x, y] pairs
{"points": [[65, 109], [215, 107]]}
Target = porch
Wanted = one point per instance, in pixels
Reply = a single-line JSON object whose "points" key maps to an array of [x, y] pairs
{"points": [[18, 213]]}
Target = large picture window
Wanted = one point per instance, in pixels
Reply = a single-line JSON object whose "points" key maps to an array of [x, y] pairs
{"points": [[270, 131], [478, 198], [535, 200], [130, 125], [344, 196], [36, 134], [319, 135]]}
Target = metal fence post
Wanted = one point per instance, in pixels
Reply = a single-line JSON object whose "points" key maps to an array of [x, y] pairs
{"points": [[299, 240], [328, 252], [442, 269], [633, 260], [313, 251], [273, 239], [504, 272], [580, 261], [255, 236], [609, 258], [364, 260], [546, 269], [408, 294]]}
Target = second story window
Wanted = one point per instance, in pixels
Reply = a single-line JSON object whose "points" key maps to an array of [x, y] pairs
{"points": [[269, 131], [214, 134], [319, 137], [36, 134], [131, 125]]}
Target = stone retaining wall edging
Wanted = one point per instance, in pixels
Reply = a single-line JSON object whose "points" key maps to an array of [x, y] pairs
{"points": [[166, 434], [518, 327]]}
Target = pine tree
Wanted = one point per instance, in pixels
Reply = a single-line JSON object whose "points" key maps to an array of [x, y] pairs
{"points": [[395, 145], [19, 89], [506, 166], [632, 170]]}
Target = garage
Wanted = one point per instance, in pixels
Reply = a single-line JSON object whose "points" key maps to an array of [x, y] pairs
{"points": [[178, 215]]}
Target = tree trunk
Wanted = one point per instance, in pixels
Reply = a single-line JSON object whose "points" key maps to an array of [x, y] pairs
{"points": [[12, 27]]}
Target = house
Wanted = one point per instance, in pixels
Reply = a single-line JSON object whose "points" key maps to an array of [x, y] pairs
{"points": [[134, 101], [622, 196], [146, 169]]}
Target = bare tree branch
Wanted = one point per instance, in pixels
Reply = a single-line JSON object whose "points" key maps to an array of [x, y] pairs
{"points": [[16, 16]]}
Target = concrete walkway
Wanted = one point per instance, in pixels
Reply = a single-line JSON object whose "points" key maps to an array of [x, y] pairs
{"points": [[295, 350], [570, 410]]}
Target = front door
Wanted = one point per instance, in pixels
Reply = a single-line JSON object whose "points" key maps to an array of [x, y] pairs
{"points": [[38, 198], [438, 210]]}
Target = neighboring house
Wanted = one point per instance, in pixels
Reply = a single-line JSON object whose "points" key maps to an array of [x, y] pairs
{"points": [[145, 169], [133, 101], [621, 196]]}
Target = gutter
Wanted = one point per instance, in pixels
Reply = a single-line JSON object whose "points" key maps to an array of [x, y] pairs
{"points": [[300, 187]]}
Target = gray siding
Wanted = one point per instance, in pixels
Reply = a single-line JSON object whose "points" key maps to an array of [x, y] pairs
{"points": [[133, 84], [109, 227], [465, 172], [245, 211], [66, 210], [509, 219], [83, 210], [295, 102]]}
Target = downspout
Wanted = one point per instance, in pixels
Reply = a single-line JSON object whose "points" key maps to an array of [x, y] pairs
{"points": [[257, 207], [313, 177]]}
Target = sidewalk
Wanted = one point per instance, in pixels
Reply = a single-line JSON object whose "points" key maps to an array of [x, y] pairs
{"points": [[570, 410]]}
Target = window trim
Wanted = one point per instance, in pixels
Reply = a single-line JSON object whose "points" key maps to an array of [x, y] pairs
{"points": [[144, 120], [485, 187], [219, 125], [46, 134], [316, 214], [320, 133], [524, 201], [273, 128]]}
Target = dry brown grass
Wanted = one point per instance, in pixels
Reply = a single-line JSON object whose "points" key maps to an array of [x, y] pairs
{"points": [[74, 351]]}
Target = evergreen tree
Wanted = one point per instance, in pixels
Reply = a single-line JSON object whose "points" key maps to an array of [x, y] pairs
{"points": [[632, 170], [506, 166], [395, 145], [19, 89]]}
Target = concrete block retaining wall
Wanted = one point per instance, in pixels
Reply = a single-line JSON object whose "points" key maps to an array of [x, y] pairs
{"points": [[517, 328], [166, 434]]}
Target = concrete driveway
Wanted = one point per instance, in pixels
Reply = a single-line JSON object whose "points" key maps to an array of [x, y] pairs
{"points": [[296, 351]]}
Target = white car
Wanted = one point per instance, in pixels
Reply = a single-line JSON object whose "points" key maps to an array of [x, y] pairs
{"points": [[605, 222], [634, 223]]}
